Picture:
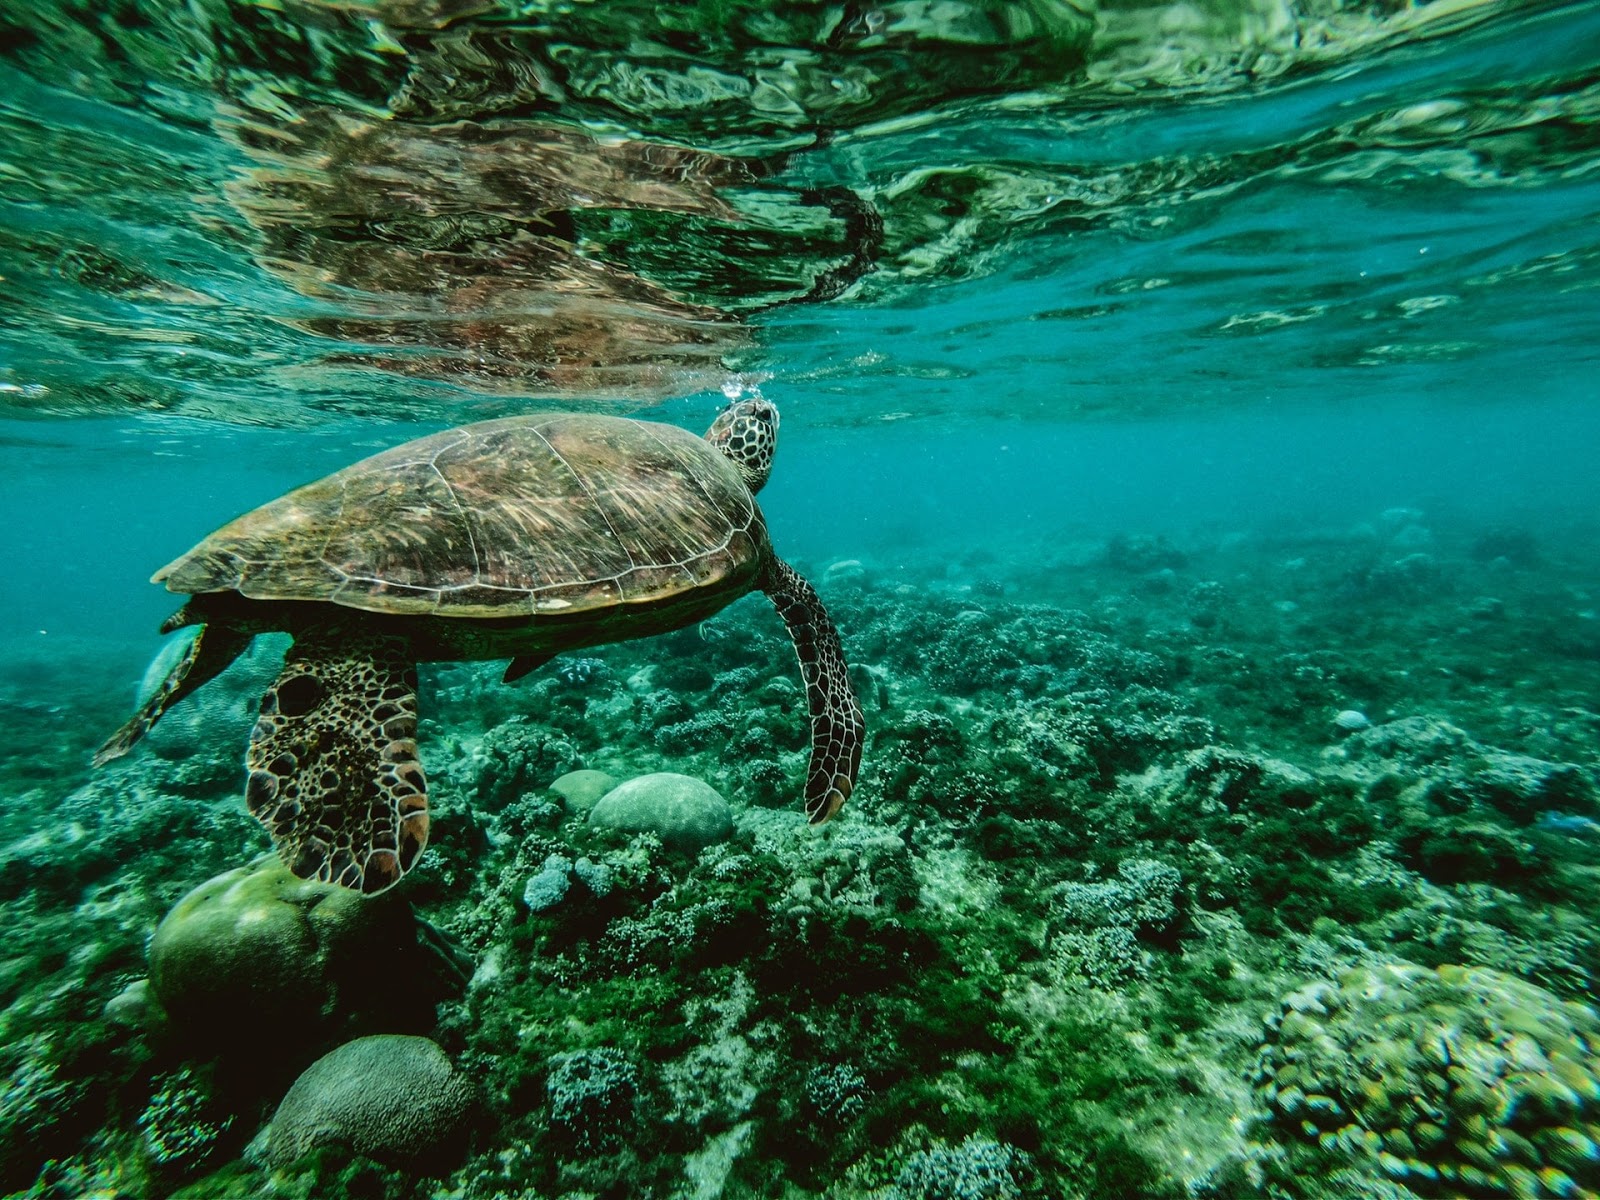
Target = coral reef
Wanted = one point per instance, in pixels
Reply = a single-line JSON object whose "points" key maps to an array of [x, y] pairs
{"points": [[580, 789], [836, 1093], [685, 813], [1114, 809], [389, 1097], [1451, 1081], [977, 1169], [515, 757], [257, 948], [591, 1095], [178, 1126], [549, 887], [35, 1099]]}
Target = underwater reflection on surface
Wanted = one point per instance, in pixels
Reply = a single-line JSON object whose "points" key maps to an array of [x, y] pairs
{"points": [[448, 251], [1114, 206]]}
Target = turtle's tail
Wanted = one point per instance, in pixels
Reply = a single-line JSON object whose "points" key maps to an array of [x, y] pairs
{"points": [[208, 655]]}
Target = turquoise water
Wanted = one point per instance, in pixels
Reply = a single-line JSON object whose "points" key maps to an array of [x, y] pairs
{"points": [[1189, 421]]}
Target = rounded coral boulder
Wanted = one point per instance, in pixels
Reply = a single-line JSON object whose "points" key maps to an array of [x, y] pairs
{"points": [[686, 813], [258, 949], [395, 1099]]}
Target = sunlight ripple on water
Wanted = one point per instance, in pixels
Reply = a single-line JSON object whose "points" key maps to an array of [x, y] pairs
{"points": [[265, 214]]}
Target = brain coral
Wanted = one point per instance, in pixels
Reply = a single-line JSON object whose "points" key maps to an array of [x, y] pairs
{"points": [[392, 1098], [685, 812], [1450, 1082]]}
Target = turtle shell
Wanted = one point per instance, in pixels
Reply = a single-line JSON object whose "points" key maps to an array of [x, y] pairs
{"points": [[529, 515]]}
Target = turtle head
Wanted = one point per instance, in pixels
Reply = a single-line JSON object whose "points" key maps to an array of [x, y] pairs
{"points": [[747, 432]]}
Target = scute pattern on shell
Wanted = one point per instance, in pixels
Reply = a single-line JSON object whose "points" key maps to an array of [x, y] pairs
{"points": [[516, 517]]}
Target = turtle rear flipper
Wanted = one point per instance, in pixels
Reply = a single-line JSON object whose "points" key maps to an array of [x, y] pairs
{"points": [[334, 774], [524, 664], [837, 727], [210, 653]]}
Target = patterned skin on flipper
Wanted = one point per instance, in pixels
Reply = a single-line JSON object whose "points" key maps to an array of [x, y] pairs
{"points": [[747, 433], [837, 726], [212, 651], [334, 774]]}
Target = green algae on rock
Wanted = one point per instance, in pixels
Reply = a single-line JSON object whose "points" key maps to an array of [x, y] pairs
{"points": [[580, 790], [257, 949]]}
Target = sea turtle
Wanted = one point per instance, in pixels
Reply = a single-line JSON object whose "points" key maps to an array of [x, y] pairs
{"points": [[522, 538]]}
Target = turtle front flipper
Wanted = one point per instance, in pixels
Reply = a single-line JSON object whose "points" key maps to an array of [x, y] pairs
{"points": [[836, 724], [334, 774], [212, 650]]}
